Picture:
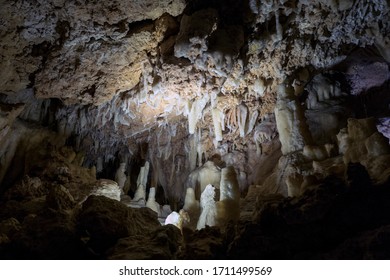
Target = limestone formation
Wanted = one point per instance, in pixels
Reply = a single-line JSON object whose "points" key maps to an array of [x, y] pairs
{"points": [[209, 173], [293, 132], [193, 102], [191, 206], [208, 208], [151, 202], [228, 206], [108, 189], [178, 219], [140, 194], [120, 176]]}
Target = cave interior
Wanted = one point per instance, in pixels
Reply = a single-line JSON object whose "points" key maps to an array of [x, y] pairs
{"points": [[203, 129]]}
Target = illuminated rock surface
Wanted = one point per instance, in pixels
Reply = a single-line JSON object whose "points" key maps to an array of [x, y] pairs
{"points": [[108, 109]]}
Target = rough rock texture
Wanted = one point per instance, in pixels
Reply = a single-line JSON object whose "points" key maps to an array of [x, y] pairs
{"points": [[105, 221], [59, 198], [288, 93], [161, 244], [314, 225], [150, 73], [82, 41]]}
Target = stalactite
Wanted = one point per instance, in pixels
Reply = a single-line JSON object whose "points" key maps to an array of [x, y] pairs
{"points": [[252, 120], [199, 147], [192, 118], [196, 112], [242, 114], [217, 121]]}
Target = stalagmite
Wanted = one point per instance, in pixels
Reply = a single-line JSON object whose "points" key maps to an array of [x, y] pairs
{"points": [[290, 121], [139, 196], [151, 203], [228, 208], [208, 208], [120, 176], [143, 175], [191, 206], [209, 173]]}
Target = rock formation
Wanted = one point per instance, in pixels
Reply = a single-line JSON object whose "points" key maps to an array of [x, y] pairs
{"points": [[208, 211], [228, 206], [151, 202], [278, 109], [192, 207]]}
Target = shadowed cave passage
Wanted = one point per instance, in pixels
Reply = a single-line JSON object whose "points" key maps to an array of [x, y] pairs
{"points": [[194, 129]]}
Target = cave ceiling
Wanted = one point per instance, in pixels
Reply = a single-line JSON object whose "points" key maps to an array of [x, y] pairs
{"points": [[154, 78]]}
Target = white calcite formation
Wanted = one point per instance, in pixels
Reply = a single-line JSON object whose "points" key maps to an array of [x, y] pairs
{"points": [[120, 176], [140, 194], [108, 189], [209, 173], [208, 214], [218, 121], [177, 219], [228, 206], [151, 202], [290, 120]]}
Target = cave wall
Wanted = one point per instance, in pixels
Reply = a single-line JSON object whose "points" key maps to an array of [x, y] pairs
{"points": [[188, 81]]}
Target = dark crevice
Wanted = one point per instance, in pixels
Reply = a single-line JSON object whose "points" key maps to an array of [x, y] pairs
{"points": [[231, 12], [90, 91], [139, 26], [63, 30]]}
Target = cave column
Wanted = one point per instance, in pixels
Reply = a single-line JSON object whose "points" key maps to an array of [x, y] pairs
{"points": [[290, 121]]}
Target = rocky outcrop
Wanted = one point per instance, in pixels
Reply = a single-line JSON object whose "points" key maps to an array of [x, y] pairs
{"points": [[161, 244], [318, 225], [105, 221], [60, 199]]}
